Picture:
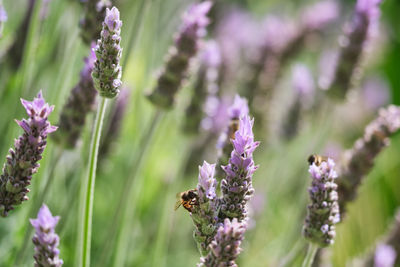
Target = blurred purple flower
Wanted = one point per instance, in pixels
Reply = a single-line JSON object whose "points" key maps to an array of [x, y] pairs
{"points": [[225, 247], [80, 102], [385, 256], [360, 159], [327, 66], [22, 162], [91, 23], [45, 239], [237, 185], [323, 211], [205, 86], [376, 93], [302, 80], [107, 71], [320, 14], [356, 34], [3, 17], [186, 45], [216, 111]]}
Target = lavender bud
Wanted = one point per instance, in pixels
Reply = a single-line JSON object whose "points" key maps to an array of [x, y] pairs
{"points": [[323, 211], [237, 185], [22, 161], [206, 85], [360, 159], [225, 247], [186, 45], [94, 13], [385, 256], [45, 239], [80, 102], [3, 17], [352, 44], [107, 71], [205, 214]]}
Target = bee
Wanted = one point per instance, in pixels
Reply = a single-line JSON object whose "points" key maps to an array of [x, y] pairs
{"points": [[187, 199], [233, 127], [317, 159]]}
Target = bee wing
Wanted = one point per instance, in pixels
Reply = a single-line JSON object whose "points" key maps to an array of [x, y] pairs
{"points": [[178, 203]]}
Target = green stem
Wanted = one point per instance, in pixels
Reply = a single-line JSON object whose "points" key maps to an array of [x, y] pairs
{"points": [[131, 183], [86, 227], [312, 250]]}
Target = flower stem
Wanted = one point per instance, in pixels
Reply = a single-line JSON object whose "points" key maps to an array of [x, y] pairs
{"points": [[131, 187], [312, 250], [86, 227]]}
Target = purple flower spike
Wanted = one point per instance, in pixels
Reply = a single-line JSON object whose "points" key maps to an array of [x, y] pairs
{"points": [[356, 34], [107, 70], [225, 247], [186, 46], [323, 211], [79, 104], [237, 185], [3, 17], [205, 214], [360, 159], [45, 239], [385, 256], [22, 161]]}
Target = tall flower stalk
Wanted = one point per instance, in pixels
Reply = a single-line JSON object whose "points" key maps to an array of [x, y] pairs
{"points": [[360, 159], [106, 76], [22, 161], [45, 239], [186, 46], [323, 211]]}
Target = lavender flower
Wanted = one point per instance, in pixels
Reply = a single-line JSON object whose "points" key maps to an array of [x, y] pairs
{"points": [[360, 159], [107, 71], [186, 45], [225, 247], [45, 239], [385, 256], [352, 43], [323, 212], [114, 128], [237, 185], [206, 85], [80, 102], [205, 214], [94, 13], [22, 162], [237, 110], [3, 17]]}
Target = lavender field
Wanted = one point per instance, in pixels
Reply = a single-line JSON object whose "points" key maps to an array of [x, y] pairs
{"points": [[200, 133]]}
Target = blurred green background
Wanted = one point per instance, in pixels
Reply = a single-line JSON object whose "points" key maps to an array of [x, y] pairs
{"points": [[156, 235]]}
